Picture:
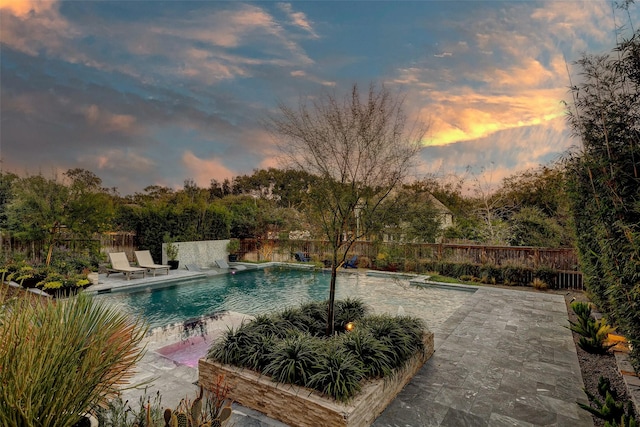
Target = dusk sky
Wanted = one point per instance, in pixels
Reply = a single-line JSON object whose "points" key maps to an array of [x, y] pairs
{"points": [[153, 93]]}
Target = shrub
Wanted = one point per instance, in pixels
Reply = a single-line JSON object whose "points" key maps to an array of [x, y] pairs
{"points": [[610, 410], [348, 310], [60, 359], [376, 356], [546, 275], [338, 375], [283, 346], [540, 284], [294, 360], [402, 334], [233, 345]]}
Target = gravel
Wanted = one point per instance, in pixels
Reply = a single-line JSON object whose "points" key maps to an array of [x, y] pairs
{"points": [[594, 366]]}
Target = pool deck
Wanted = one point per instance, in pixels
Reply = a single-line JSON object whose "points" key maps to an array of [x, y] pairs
{"points": [[504, 358]]}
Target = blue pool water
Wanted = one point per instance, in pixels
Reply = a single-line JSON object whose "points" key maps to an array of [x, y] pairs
{"points": [[270, 289]]}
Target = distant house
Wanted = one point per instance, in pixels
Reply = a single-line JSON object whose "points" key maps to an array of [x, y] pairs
{"points": [[444, 213], [443, 216]]}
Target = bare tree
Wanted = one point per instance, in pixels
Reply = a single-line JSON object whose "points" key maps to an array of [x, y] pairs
{"points": [[360, 148]]}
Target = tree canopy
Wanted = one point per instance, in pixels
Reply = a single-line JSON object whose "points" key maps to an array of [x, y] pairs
{"points": [[360, 148]]}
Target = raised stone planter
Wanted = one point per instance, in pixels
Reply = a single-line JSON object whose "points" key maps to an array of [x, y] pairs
{"points": [[298, 406]]}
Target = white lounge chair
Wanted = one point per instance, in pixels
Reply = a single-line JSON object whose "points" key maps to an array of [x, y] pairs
{"points": [[146, 261], [224, 265], [120, 264]]}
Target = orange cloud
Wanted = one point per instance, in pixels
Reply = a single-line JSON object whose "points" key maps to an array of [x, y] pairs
{"points": [[468, 115], [204, 170], [23, 8]]}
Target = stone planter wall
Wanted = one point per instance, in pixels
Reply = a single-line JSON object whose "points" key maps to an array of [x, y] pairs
{"points": [[299, 406]]}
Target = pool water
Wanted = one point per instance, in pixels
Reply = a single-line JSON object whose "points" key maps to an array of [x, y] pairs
{"points": [[272, 289]]}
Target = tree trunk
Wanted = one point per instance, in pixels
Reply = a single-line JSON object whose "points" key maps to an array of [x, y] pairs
{"points": [[332, 295]]}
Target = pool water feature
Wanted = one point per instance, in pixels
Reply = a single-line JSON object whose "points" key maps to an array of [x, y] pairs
{"points": [[272, 289]]}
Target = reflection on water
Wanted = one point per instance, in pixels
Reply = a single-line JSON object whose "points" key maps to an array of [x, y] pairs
{"points": [[264, 290]]}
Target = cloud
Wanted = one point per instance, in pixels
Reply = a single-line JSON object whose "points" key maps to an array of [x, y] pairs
{"points": [[499, 155], [122, 161], [108, 122], [299, 19], [204, 170], [24, 8]]}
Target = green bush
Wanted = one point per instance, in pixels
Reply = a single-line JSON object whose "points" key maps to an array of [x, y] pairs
{"points": [[338, 375], [294, 359], [290, 346], [376, 356], [547, 275]]}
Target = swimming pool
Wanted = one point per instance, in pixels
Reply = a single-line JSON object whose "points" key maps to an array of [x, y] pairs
{"points": [[263, 290]]}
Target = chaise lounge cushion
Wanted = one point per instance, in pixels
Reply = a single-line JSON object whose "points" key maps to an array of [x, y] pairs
{"points": [[146, 261], [120, 264]]}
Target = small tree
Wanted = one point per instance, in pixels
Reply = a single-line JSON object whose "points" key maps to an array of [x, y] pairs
{"points": [[360, 148]]}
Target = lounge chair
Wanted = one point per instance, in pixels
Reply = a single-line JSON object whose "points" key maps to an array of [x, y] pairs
{"points": [[224, 265], [352, 263], [146, 261], [301, 257], [120, 264]]}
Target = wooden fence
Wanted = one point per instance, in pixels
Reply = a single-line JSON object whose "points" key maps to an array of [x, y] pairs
{"points": [[562, 260], [106, 242]]}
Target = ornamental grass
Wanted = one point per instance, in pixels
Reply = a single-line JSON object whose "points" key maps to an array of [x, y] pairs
{"points": [[61, 358], [291, 348]]}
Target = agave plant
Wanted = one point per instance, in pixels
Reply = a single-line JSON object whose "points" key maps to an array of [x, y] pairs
{"points": [[59, 359], [593, 332]]}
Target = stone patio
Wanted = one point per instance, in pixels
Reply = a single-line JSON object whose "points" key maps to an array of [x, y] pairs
{"points": [[504, 358]]}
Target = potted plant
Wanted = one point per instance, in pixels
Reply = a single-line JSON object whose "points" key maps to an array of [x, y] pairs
{"points": [[172, 254], [233, 247]]}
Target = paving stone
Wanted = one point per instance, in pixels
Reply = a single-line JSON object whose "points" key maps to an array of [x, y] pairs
{"points": [[456, 418], [504, 358]]}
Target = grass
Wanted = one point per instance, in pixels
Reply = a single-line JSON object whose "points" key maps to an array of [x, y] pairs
{"points": [[435, 277]]}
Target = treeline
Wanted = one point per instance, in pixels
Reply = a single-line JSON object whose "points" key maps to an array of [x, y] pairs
{"points": [[528, 209]]}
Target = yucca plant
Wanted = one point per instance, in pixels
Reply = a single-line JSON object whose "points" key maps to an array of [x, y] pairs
{"points": [[59, 359]]}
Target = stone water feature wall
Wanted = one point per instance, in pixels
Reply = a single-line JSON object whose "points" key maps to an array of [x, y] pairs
{"points": [[201, 254]]}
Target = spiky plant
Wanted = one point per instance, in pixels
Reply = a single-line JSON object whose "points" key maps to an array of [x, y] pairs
{"points": [[349, 310], [294, 359], [402, 334], [593, 332], [377, 358], [231, 347], [59, 359], [339, 375]]}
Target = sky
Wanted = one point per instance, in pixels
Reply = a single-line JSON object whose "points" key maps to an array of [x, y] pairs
{"points": [[158, 92]]}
